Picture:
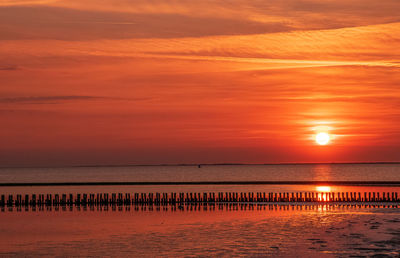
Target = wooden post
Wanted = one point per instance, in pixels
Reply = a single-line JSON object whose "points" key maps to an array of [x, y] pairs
{"points": [[26, 199], [78, 199], [3, 201]]}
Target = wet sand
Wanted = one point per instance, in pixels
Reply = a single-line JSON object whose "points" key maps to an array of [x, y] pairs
{"points": [[307, 231]]}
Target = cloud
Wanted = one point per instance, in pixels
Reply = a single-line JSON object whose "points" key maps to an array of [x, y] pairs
{"points": [[123, 19], [46, 99], [8, 68], [56, 99], [302, 14], [41, 22]]}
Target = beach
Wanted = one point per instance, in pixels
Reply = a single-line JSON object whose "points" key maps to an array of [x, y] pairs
{"points": [[277, 230]]}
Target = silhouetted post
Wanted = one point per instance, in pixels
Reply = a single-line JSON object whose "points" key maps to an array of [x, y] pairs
{"points": [[78, 199], [84, 201], [3, 200], [63, 199], [33, 201], [39, 200], [10, 201], [54, 201], [119, 199], [48, 199], [71, 199], [127, 200], [158, 198], [91, 199], [181, 197], [26, 199]]}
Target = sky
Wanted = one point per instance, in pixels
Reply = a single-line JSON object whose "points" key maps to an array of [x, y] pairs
{"points": [[111, 82]]}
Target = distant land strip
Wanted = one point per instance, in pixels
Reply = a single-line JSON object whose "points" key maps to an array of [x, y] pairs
{"points": [[332, 183]]}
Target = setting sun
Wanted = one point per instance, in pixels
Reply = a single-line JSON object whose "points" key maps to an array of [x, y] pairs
{"points": [[322, 138]]}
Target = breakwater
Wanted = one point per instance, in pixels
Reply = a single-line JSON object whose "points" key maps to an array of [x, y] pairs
{"points": [[194, 198]]}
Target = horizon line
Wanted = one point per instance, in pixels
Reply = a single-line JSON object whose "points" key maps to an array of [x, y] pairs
{"points": [[211, 164], [107, 183]]}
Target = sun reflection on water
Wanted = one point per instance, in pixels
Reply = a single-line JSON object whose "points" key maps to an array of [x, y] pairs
{"points": [[323, 188]]}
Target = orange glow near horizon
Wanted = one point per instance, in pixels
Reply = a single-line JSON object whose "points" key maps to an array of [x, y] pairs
{"points": [[138, 82]]}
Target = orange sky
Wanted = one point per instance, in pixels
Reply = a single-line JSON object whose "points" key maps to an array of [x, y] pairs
{"points": [[148, 82]]}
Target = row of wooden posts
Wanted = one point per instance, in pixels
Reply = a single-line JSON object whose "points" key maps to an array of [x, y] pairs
{"points": [[176, 198]]}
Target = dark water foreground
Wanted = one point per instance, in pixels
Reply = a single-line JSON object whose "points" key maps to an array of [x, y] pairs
{"points": [[201, 230]]}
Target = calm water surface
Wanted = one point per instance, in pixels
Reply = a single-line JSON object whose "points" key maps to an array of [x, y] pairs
{"points": [[373, 172]]}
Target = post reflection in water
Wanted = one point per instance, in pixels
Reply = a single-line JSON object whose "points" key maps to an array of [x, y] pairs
{"points": [[194, 207]]}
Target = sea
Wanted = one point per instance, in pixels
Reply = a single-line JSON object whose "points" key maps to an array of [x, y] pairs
{"points": [[228, 230]]}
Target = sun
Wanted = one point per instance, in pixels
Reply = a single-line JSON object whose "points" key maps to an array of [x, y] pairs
{"points": [[322, 138]]}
